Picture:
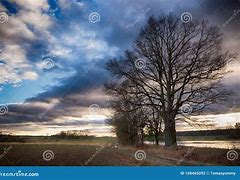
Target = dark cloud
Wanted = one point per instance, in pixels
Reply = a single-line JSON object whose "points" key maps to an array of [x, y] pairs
{"points": [[22, 113], [74, 93]]}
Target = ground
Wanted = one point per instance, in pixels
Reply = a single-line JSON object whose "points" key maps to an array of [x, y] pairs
{"points": [[107, 153]]}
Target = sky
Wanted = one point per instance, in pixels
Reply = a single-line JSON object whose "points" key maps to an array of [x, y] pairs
{"points": [[53, 54]]}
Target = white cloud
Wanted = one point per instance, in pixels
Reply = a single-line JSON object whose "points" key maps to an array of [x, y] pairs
{"points": [[86, 41], [12, 76], [32, 23], [15, 66], [30, 75], [8, 75], [15, 30], [66, 4], [14, 55], [37, 19], [32, 5], [16, 33]]}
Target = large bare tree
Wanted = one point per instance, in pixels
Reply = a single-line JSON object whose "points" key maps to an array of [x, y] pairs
{"points": [[177, 67]]}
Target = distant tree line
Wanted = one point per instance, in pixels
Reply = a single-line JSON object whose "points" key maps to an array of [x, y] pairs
{"points": [[73, 134], [231, 133], [10, 138]]}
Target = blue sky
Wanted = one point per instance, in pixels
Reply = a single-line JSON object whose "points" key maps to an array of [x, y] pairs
{"points": [[52, 56]]}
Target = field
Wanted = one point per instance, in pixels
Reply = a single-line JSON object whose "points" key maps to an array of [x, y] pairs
{"points": [[105, 152]]}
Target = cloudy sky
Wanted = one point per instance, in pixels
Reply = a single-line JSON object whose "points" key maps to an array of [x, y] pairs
{"points": [[53, 53]]}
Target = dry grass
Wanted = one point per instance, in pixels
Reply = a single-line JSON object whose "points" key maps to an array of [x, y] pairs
{"points": [[210, 156], [64, 155], [71, 154]]}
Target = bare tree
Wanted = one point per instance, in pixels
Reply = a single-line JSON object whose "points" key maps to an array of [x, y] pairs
{"points": [[129, 100], [174, 64], [129, 120], [154, 124]]}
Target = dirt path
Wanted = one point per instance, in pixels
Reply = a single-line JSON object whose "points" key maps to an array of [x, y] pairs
{"points": [[165, 161]]}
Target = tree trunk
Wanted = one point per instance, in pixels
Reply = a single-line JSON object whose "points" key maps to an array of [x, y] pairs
{"points": [[156, 138], [170, 134], [142, 137]]}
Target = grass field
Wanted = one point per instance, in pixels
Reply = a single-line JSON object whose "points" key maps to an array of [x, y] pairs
{"points": [[64, 154], [104, 152]]}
